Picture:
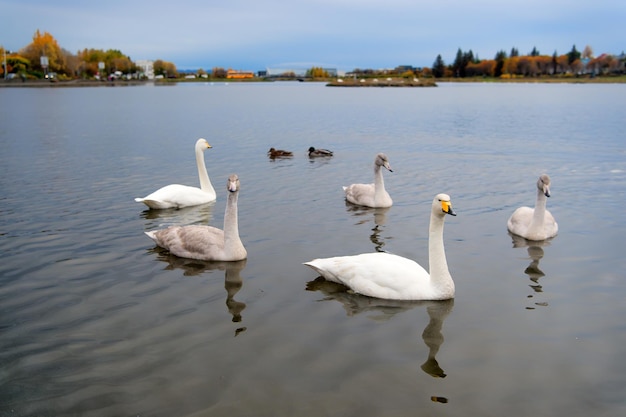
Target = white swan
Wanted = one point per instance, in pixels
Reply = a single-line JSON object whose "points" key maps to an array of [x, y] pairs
{"points": [[537, 223], [371, 195], [207, 243], [383, 275], [178, 196]]}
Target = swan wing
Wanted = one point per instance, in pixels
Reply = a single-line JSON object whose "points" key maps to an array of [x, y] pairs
{"points": [[361, 194], [193, 242], [380, 275], [177, 196], [520, 220]]}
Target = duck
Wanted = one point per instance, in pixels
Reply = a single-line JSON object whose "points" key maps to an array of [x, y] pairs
{"points": [[537, 223], [319, 152], [207, 243], [179, 196], [371, 195], [392, 277], [277, 153]]}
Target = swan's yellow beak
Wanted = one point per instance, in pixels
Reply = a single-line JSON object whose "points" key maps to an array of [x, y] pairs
{"points": [[446, 206], [208, 146]]}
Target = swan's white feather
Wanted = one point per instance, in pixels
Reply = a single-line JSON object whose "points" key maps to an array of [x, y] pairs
{"points": [[535, 223], [388, 276], [176, 196], [179, 196]]}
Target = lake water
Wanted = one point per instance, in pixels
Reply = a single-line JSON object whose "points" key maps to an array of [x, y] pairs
{"points": [[96, 321]]}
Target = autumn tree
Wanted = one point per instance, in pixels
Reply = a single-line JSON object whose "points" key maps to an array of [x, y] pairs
{"points": [[484, 68], [113, 60], [219, 72], [604, 64], [164, 68], [317, 72], [587, 52], [44, 45]]}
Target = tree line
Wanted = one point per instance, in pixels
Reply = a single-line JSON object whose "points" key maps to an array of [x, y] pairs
{"points": [[89, 63], [504, 65]]}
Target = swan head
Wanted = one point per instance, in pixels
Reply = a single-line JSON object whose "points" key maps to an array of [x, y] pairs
{"points": [[442, 205], [233, 183], [543, 184], [382, 161], [202, 144]]}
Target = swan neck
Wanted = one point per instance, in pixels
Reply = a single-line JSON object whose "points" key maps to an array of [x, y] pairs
{"points": [[231, 224], [439, 273], [379, 183], [540, 208], [205, 182]]}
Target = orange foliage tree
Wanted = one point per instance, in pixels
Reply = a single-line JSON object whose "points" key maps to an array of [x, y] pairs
{"points": [[44, 45]]}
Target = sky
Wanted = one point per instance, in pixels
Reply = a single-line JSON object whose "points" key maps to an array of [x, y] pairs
{"points": [[341, 34]]}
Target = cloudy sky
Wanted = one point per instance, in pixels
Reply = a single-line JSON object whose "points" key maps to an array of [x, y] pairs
{"points": [[342, 34]]}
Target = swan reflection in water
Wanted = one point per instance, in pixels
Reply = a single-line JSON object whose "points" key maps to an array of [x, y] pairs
{"points": [[201, 214], [355, 304], [380, 218], [193, 267], [535, 254]]}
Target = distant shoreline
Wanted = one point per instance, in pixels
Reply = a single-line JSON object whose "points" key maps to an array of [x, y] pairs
{"points": [[368, 82], [16, 83]]}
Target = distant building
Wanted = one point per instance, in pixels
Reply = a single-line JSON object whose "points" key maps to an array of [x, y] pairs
{"points": [[239, 74], [147, 68], [281, 72]]}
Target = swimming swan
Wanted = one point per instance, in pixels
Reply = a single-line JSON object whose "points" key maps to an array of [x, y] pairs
{"points": [[392, 277], [207, 243], [178, 196], [537, 223], [371, 195]]}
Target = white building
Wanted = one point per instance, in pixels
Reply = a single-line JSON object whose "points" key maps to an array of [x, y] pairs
{"points": [[147, 68]]}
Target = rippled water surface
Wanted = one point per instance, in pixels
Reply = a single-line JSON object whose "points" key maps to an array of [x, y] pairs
{"points": [[96, 321]]}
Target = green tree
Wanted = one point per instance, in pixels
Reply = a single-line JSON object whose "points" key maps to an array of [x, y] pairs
{"points": [[439, 67], [500, 60], [573, 55], [457, 65]]}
